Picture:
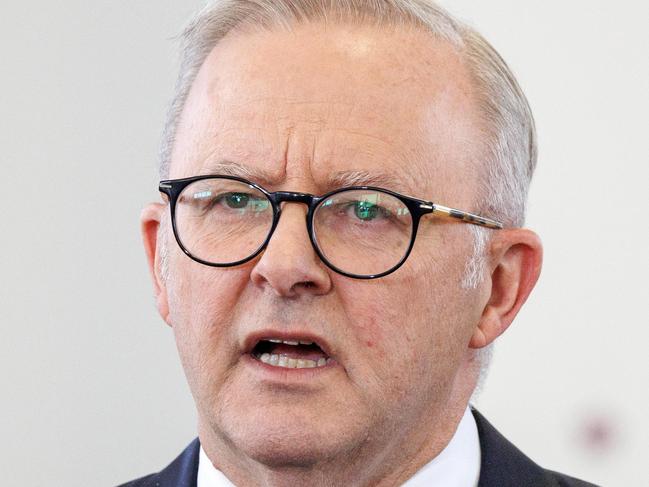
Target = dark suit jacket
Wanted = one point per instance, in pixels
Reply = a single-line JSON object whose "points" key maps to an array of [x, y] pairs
{"points": [[502, 465]]}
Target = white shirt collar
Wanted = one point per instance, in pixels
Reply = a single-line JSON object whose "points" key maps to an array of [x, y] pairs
{"points": [[208, 475], [457, 465]]}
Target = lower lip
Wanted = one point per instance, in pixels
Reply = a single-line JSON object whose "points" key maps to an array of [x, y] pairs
{"points": [[288, 374]]}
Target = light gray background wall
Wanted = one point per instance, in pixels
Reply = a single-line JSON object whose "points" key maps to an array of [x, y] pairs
{"points": [[92, 392]]}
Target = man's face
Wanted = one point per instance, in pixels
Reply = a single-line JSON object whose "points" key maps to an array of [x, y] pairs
{"points": [[296, 111]]}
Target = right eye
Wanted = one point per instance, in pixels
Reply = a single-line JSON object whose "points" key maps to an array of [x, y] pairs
{"points": [[249, 203], [223, 199], [234, 200]]}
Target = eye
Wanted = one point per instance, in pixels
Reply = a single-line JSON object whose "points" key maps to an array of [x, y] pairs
{"points": [[361, 208], [366, 211], [236, 200], [249, 203]]}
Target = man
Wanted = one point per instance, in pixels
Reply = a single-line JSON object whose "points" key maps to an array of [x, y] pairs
{"points": [[340, 241]]}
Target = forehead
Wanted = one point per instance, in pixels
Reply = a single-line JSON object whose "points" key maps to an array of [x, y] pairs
{"points": [[318, 102]]}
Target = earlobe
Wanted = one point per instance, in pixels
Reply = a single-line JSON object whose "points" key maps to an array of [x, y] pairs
{"points": [[150, 220], [516, 256]]}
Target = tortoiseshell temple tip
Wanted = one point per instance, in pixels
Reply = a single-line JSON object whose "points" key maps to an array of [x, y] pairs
{"points": [[467, 217]]}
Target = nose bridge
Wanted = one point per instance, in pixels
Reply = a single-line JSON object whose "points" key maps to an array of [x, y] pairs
{"points": [[295, 197], [289, 264], [290, 196]]}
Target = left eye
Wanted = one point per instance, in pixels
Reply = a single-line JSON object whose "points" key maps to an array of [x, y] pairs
{"points": [[366, 211]]}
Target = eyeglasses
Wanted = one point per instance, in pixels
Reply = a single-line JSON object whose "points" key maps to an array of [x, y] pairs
{"points": [[361, 232]]}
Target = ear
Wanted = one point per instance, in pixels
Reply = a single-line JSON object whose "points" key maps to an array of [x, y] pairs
{"points": [[150, 219], [515, 257]]}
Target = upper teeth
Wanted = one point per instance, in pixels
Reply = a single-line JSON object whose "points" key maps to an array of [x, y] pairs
{"points": [[290, 342]]}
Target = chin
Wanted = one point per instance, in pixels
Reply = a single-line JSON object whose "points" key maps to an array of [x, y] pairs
{"points": [[282, 443], [287, 436], [278, 453]]}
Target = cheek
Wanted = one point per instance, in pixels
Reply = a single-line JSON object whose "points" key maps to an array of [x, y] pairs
{"points": [[201, 305], [389, 321], [203, 296], [408, 326]]}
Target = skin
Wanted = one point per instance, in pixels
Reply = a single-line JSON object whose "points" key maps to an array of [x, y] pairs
{"points": [[294, 109]]}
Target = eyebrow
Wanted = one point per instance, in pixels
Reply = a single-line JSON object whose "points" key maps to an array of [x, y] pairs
{"points": [[389, 181], [338, 179], [224, 167]]}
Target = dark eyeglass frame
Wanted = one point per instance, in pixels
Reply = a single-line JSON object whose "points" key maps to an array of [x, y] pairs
{"points": [[417, 208]]}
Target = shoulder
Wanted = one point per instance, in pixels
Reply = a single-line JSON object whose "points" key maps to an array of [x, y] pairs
{"points": [[566, 481], [504, 465], [182, 472], [141, 482]]}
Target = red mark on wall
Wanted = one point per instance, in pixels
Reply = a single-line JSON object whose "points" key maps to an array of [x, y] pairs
{"points": [[599, 432]]}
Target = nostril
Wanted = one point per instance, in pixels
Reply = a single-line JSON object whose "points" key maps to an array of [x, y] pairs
{"points": [[291, 272]]}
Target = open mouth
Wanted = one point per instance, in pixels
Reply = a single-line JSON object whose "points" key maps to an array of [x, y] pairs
{"points": [[290, 354]]}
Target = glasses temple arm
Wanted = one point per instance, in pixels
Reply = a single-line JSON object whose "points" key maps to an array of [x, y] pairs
{"points": [[447, 212]]}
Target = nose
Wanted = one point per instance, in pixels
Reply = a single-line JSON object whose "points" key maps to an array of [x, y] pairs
{"points": [[289, 265]]}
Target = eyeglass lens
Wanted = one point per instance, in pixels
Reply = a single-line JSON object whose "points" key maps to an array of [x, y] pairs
{"points": [[360, 232]]}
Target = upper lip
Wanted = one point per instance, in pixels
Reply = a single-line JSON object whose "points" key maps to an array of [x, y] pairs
{"points": [[254, 338]]}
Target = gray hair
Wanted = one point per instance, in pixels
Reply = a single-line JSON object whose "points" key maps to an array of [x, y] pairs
{"points": [[474, 273], [508, 145]]}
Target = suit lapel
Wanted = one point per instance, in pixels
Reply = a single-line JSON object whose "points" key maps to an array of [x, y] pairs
{"points": [[182, 472], [504, 465]]}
